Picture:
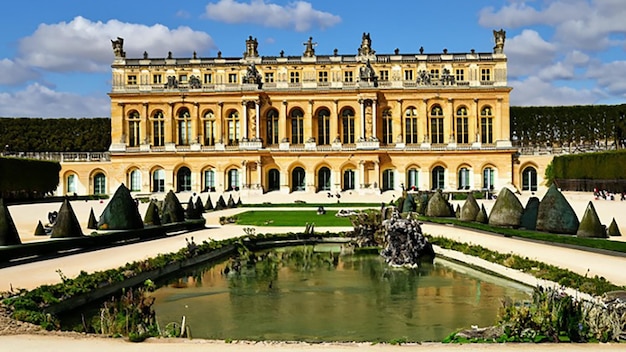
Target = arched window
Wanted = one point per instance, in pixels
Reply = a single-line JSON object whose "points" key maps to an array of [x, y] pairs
{"points": [[387, 127], [99, 183], [462, 125], [438, 180], [486, 125], [436, 125], [410, 125], [297, 126], [464, 178], [233, 180], [273, 182], [234, 133], [529, 179], [71, 184], [158, 128], [184, 180], [209, 180], [488, 178], [323, 179], [272, 127], [135, 180], [388, 180], [347, 126], [209, 128], [348, 179], [298, 179], [184, 127], [134, 121], [412, 181], [323, 127], [158, 181]]}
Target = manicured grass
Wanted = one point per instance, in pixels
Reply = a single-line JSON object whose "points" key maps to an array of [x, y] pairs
{"points": [[313, 205], [290, 218]]}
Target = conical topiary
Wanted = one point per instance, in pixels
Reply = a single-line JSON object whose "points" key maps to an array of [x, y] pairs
{"points": [[221, 204], [507, 211], [529, 216], [409, 204], [190, 212], [39, 230], [152, 214], [470, 209], [457, 212], [590, 225], [482, 216], [231, 202], [67, 225], [614, 229], [239, 202], [8, 231], [92, 223], [438, 206], [208, 205], [555, 214], [121, 213], [199, 208], [172, 209]]}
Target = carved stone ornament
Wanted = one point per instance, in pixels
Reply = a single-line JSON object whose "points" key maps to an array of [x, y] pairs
{"points": [[118, 47], [499, 37], [251, 48], [309, 48]]}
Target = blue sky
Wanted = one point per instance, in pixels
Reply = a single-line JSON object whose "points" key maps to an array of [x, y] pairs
{"points": [[55, 56]]}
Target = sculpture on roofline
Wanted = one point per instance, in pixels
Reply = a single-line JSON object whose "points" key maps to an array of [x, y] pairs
{"points": [[309, 48], [499, 37], [118, 47], [251, 48], [253, 76], [366, 45]]}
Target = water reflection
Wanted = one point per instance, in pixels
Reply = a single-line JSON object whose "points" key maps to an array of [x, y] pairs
{"points": [[305, 295]]}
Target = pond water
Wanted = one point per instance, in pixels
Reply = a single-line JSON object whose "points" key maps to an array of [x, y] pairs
{"points": [[326, 297]]}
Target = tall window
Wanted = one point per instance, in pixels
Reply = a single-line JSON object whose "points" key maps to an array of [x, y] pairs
{"points": [[323, 127], [99, 183], [462, 135], [464, 178], [272, 127], [438, 180], [135, 181], [486, 125], [347, 124], [233, 180], [209, 180], [410, 125], [133, 129], [436, 125], [298, 179], [158, 180], [208, 78], [209, 128], [233, 128], [71, 184], [297, 126], [232, 78], [183, 177], [323, 179], [388, 180], [348, 179], [488, 178], [157, 78], [158, 128], [184, 127], [529, 179], [387, 127], [408, 75], [412, 179]]}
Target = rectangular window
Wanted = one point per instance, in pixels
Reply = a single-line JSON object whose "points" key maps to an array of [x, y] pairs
{"points": [[157, 79], [410, 129], [384, 75], [322, 76], [387, 130], [485, 74], [232, 78], [209, 132], [208, 78], [294, 77], [131, 80], [158, 131], [460, 75], [408, 75], [269, 77], [462, 135], [486, 130], [434, 74], [436, 129], [348, 76], [182, 79]]}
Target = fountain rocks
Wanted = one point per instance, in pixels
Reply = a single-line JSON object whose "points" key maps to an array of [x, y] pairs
{"points": [[405, 243]]}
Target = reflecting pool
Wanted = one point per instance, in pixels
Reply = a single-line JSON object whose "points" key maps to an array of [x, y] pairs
{"points": [[317, 295]]}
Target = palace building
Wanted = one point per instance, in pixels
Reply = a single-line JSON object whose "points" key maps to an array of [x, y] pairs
{"points": [[363, 122]]}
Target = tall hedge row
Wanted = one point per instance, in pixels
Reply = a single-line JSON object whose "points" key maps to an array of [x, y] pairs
{"points": [[593, 166], [21, 178]]}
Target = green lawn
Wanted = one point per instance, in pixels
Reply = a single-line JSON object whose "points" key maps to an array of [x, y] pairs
{"points": [[290, 218]]}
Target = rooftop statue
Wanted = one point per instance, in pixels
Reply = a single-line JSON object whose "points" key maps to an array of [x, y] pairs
{"points": [[367, 73], [252, 75], [499, 37], [251, 48], [309, 48], [118, 47], [366, 45]]}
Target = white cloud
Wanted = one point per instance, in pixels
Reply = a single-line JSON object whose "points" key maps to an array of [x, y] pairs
{"points": [[558, 71], [85, 46], [298, 15], [609, 77], [39, 101], [527, 52], [535, 92], [519, 14], [15, 73]]}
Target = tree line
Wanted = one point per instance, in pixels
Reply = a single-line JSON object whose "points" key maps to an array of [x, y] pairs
{"points": [[25, 178]]}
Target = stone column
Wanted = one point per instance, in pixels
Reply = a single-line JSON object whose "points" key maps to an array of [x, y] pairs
{"points": [[244, 174], [259, 174], [172, 129], [374, 117], [145, 129], [245, 120], [257, 108], [220, 122], [425, 122], [282, 122], [361, 184], [334, 121], [451, 117], [124, 137], [477, 122], [399, 123], [376, 174], [362, 104]]}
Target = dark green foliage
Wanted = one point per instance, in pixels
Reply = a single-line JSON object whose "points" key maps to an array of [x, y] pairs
{"points": [[400, 203], [231, 202], [208, 205], [21, 178], [590, 225], [39, 230], [457, 212], [199, 207], [152, 214], [589, 166], [507, 211], [482, 216], [172, 209], [421, 202], [121, 212], [190, 212], [221, 204], [66, 225], [92, 223], [8, 231], [529, 217], [56, 135], [555, 214], [614, 229], [239, 203], [409, 204]]}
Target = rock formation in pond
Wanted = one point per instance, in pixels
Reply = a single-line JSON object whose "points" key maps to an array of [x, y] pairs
{"points": [[208, 205], [231, 202], [121, 212], [368, 226], [438, 206], [614, 229], [590, 225], [66, 225], [8, 231], [482, 216], [555, 214], [152, 214], [507, 211], [529, 217], [470, 209], [92, 223], [172, 209], [40, 230], [405, 243]]}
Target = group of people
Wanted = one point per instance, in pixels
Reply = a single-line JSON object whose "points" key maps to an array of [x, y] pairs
{"points": [[606, 195]]}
